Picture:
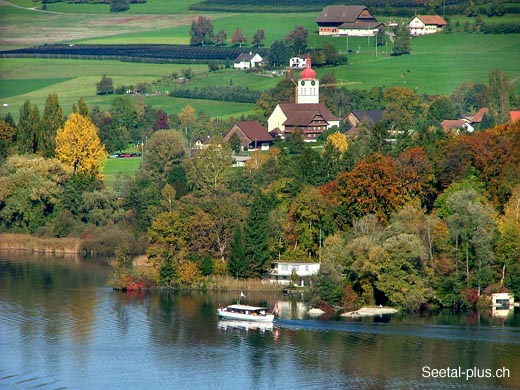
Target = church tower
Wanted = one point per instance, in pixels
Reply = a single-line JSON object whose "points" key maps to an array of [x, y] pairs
{"points": [[308, 85]]}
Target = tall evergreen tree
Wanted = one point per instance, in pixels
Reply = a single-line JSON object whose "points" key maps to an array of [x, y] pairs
{"points": [[257, 234], [498, 96], [53, 119], [25, 137], [238, 264], [81, 108]]}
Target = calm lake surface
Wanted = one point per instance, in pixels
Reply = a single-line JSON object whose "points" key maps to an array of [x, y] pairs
{"points": [[61, 327]]}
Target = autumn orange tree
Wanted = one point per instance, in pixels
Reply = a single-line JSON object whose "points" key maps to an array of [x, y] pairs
{"points": [[373, 186], [78, 146]]}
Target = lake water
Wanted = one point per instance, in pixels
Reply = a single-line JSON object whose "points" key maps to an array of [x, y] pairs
{"points": [[61, 327]]}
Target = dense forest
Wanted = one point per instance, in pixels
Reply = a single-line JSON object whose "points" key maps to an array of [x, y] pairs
{"points": [[403, 213]]}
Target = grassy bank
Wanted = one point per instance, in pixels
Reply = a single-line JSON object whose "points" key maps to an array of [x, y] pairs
{"points": [[46, 245]]}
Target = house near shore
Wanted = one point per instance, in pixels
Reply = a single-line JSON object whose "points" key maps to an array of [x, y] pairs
{"points": [[248, 61], [252, 135], [283, 272], [307, 114], [426, 24], [348, 20], [502, 299]]}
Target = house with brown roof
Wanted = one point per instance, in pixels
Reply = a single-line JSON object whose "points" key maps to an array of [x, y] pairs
{"points": [[311, 118], [252, 135], [347, 20], [357, 116], [426, 24]]}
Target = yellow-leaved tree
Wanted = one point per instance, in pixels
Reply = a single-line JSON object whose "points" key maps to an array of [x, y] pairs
{"points": [[78, 146]]}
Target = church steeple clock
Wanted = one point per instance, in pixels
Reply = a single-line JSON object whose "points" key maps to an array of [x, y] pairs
{"points": [[308, 85]]}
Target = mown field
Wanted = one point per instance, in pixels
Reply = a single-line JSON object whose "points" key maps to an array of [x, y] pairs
{"points": [[116, 168], [438, 63]]}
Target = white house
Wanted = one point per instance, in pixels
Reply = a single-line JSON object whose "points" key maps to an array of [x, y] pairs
{"points": [[247, 61], [282, 272], [298, 62], [502, 299], [426, 24]]}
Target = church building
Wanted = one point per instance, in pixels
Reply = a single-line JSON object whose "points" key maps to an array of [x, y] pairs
{"points": [[307, 115]]}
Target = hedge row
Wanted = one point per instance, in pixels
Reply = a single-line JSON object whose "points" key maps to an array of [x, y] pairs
{"points": [[227, 93], [283, 6], [145, 53]]}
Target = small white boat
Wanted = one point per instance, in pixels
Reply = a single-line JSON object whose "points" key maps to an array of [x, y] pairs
{"points": [[245, 313]]}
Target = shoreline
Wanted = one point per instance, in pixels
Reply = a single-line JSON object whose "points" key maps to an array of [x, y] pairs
{"points": [[369, 312], [42, 245]]}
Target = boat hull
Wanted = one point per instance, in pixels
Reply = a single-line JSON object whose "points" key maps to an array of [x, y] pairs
{"points": [[244, 317]]}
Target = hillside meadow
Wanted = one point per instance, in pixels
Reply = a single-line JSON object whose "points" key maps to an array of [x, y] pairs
{"points": [[438, 64]]}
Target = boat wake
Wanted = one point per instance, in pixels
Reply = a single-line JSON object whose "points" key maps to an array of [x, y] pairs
{"points": [[506, 335]]}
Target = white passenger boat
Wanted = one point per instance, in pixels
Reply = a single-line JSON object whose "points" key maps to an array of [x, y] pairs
{"points": [[245, 313]]}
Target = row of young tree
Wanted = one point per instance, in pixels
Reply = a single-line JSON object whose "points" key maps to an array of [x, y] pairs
{"points": [[428, 216]]}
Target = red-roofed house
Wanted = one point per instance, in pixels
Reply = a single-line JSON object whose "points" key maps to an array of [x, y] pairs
{"points": [[455, 125], [477, 118], [426, 24], [252, 135], [514, 115]]}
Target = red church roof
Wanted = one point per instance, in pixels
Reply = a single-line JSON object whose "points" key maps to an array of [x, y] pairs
{"points": [[308, 73]]}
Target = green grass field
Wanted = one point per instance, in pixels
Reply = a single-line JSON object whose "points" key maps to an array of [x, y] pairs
{"points": [[438, 63], [116, 168]]}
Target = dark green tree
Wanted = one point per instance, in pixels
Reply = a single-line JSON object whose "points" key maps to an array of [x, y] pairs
{"points": [[142, 200], [331, 54], [295, 143], [53, 119], [25, 130], [125, 120], [235, 143], [238, 264], [259, 38], [105, 86], [498, 95], [119, 5], [256, 237], [279, 53], [81, 108], [441, 108], [402, 41]]}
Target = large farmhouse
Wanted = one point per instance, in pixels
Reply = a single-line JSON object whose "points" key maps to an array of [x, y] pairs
{"points": [[307, 115], [426, 24], [348, 20]]}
